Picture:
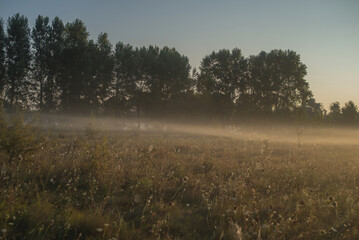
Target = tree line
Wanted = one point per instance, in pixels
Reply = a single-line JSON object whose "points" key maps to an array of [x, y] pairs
{"points": [[55, 67]]}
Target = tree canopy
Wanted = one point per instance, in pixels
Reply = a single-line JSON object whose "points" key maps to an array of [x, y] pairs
{"points": [[57, 67], [17, 63]]}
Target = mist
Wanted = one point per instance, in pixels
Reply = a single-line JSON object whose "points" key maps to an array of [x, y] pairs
{"points": [[255, 130]]}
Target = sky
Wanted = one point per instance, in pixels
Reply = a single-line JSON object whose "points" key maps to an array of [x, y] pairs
{"points": [[324, 32]]}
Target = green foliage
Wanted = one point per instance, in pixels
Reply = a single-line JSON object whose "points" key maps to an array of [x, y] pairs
{"points": [[76, 34]]}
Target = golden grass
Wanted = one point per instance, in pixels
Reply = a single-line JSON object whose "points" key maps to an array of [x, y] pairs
{"points": [[154, 185]]}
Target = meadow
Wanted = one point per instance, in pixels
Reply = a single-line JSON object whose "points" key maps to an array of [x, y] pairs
{"points": [[153, 184]]}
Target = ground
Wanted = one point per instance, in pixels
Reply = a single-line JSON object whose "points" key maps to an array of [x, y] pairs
{"points": [[149, 184]]}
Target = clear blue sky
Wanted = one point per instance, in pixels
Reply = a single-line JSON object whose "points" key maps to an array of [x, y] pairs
{"points": [[325, 33]]}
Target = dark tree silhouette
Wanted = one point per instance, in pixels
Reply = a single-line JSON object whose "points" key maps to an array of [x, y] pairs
{"points": [[126, 81], [99, 72], [74, 62], [315, 111], [276, 82], [335, 112], [222, 79], [350, 112], [149, 78], [72, 73], [41, 44], [18, 58], [55, 65]]}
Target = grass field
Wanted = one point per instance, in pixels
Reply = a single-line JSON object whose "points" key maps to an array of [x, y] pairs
{"points": [[175, 185]]}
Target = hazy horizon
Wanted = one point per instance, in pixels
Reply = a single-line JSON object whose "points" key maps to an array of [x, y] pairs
{"points": [[324, 33]]}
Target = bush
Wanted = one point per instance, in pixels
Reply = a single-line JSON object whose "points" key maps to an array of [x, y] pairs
{"points": [[17, 138]]}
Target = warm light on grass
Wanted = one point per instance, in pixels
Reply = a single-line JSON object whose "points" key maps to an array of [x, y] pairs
{"points": [[179, 186]]}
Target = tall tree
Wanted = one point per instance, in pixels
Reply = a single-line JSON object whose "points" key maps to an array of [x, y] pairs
{"points": [[146, 79], [335, 112], [173, 73], [74, 64], [2, 59], [276, 81], [315, 111], [146, 95], [41, 44], [126, 82], [222, 78], [98, 74], [164, 74], [104, 68], [350, 112], [18, 59], [54, 64]]}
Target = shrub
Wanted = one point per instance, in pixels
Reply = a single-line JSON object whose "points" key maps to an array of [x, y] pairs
{"points": [[17, 138]]}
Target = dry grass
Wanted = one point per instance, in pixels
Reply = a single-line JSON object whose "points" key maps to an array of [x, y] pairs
{"points": [[178, 186]]}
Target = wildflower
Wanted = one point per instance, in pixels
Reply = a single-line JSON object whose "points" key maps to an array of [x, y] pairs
{"points": [[99, 230]]}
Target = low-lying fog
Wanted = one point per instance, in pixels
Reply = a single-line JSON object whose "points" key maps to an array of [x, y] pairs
{"points": [[294, 133]]}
